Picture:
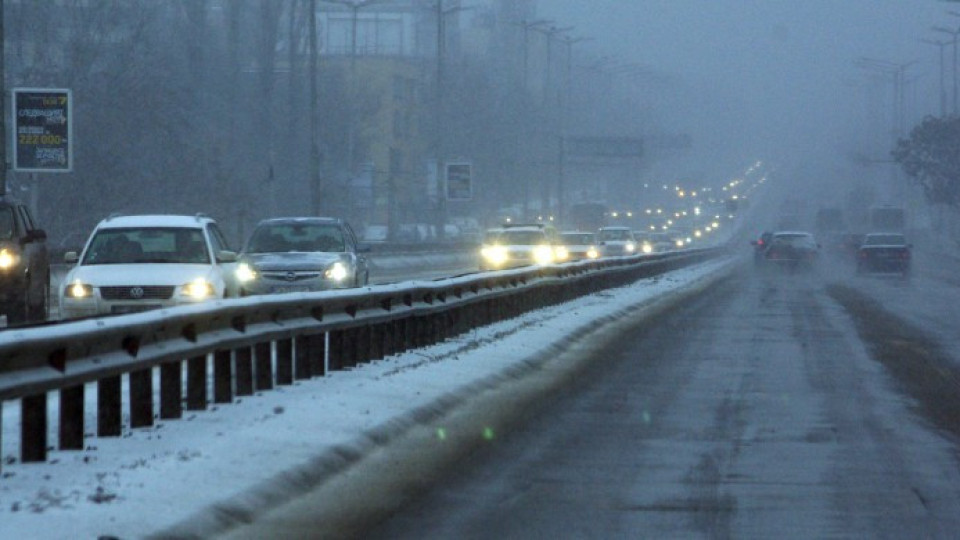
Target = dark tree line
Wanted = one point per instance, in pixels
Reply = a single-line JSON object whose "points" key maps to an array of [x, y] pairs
{"points": [[931, 157]]}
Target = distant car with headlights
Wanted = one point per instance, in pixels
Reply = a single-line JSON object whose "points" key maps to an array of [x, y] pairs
{"points": [[24, 265], [616, 241], [521, 245], [884, 253], [792, 250], [579, 245], [142, 262], [302, 254]]}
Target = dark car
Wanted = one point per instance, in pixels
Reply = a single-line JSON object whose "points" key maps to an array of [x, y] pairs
{"points": [[24, 265], [792, 250], [300, 254], [884, 253], [760, 246]]}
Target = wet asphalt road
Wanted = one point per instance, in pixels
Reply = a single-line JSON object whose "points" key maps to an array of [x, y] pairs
{"points": [[756, 411]]}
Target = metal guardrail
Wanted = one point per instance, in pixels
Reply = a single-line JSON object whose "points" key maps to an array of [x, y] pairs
{"points": [[255, 343]]}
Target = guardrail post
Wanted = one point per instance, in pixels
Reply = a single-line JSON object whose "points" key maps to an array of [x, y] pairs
{"points": [[171, 390], [316, 352], [264, 366], [284, 361], [243, 356], [402, 335], [197, 383], [376, 335], [350, 358], [222, 376], [71, 418], [364, 348], [302, 364], [109, 402], [336, 350], [141, 398], [33, 428]]}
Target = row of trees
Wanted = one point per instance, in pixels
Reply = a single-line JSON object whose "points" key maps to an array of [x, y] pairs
{"points": [[184, 106], [931, 157]]}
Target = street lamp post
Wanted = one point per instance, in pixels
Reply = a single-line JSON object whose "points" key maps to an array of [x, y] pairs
{"points": [[943, 90], [955, 34], [525, 100], [550, 33]]}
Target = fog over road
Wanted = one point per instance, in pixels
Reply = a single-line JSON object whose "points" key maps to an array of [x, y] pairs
{"points": [[755, 411]]}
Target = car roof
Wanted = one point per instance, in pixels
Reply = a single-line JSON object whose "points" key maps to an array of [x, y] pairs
{"points": [[523, 228], [792, 233], [615, 228], [154, 220], [307, 219]]}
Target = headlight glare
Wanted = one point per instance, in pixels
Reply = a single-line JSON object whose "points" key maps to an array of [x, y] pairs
{"points": [[245, 272], [561, 253], [495, 255], [593, 253], [8, 258], [336, 272], [630, 247], [543, 254], [198, 289], [78, 290]]}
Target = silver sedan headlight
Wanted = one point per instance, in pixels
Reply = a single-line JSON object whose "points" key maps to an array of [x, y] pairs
{"points": [[336, 272]]}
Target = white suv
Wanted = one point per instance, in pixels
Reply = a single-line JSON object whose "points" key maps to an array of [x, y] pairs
{"points": [[136, 263]]}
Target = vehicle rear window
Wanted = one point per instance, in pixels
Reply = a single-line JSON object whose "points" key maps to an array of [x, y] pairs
{"points": [[884, 240]]}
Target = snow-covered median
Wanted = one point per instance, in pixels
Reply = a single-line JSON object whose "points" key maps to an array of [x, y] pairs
{"points": [[261, 450]]}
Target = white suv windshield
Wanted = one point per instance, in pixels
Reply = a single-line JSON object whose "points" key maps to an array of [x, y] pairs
{"points": [[148, 245], [522, 238], [614, 235]]}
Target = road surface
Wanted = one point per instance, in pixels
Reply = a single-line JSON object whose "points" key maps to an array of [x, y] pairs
{"points": [[776, 405]]}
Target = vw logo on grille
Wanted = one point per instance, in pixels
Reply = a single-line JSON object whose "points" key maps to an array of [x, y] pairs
{"points": [[136, 292], [291, 276]]}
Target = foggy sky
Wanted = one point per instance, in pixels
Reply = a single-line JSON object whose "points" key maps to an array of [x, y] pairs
{"points": [[773, 76]]}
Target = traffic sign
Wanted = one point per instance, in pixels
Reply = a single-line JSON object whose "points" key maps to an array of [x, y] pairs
{"points": [[42, 130], [459, 181]]}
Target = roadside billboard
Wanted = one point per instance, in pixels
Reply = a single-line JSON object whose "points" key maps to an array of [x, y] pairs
{"points": [[42, 130]]}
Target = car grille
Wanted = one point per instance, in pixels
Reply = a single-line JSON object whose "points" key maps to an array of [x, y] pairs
{"points": [[137, 292], [290, 276]]}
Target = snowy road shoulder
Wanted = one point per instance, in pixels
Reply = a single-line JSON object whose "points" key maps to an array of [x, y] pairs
{"points": [[215, 468]]}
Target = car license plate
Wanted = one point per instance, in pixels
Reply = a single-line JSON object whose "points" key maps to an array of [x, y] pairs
{"points": [[133, 308], [287, 289]]}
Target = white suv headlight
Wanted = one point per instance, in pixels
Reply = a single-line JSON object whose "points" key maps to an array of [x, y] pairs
{"points": [[543, 254], [78, 290], [8, 259], [199, 289]]}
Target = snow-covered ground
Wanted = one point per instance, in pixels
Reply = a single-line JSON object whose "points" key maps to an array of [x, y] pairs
{"points": [[259, 451]]}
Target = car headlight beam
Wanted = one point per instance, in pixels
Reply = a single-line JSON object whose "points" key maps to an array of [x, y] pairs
{"points": [[78, 290], [543, 254], [245, 272], [8, 259], [198, 289], [495, 255], [336, 272]]}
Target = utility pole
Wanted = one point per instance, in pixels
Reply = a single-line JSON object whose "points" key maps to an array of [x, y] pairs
{"points": [[355, 6], [3, 116], [525, 100], [547, 101], [316, 183], [564, 123], [955, 34], [943, 90]]}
